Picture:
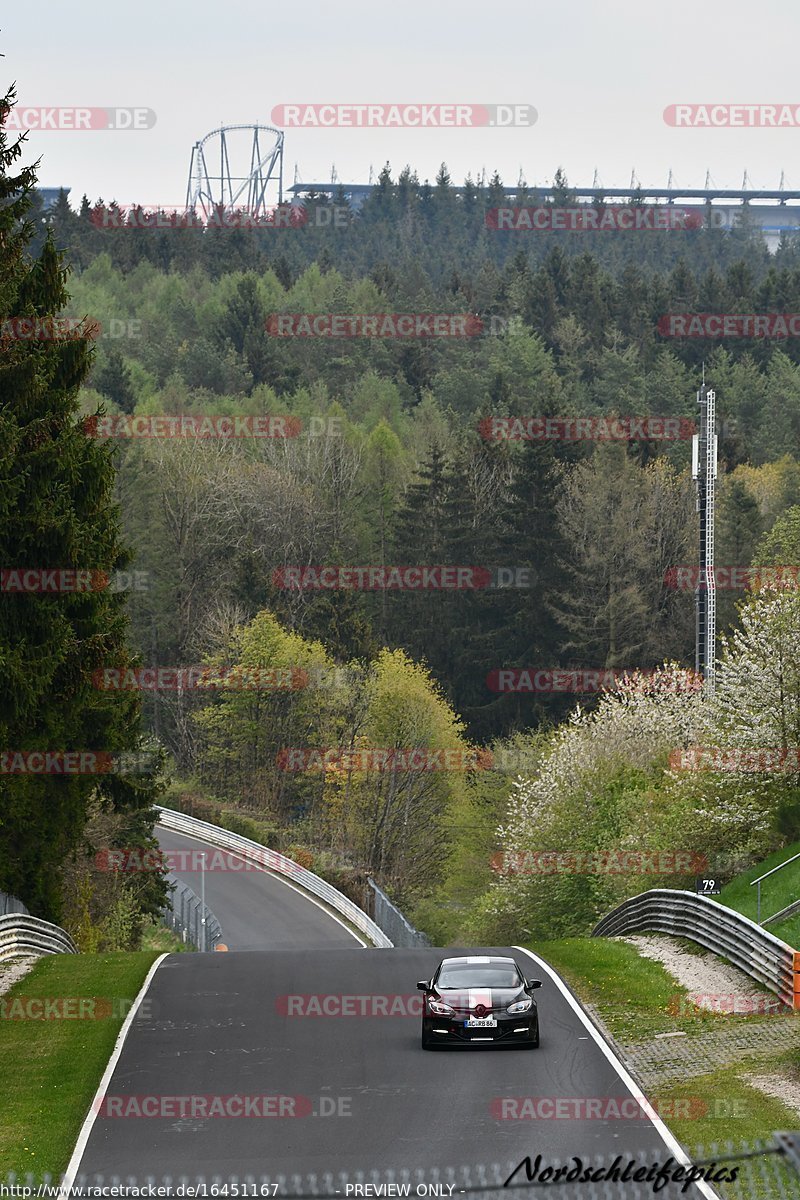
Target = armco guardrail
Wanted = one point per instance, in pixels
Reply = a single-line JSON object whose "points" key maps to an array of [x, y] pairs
{"points": [[754, 950], [23, 935], [281, 865]]}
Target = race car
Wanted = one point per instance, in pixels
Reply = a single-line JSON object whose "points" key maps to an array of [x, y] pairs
{"points": [[479, 1000]]}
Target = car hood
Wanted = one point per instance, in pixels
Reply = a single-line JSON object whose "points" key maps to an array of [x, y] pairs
{"points": [[490, 999]]}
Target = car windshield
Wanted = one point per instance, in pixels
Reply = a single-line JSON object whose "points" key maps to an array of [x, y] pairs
{"points": [[468, 975]]}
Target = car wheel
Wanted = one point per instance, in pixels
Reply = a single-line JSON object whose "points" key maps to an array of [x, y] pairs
{"points": [[426, 1040], [533, 1044]]}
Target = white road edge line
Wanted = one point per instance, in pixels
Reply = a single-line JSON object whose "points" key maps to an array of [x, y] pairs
{"points": [[669, 1139], [275, 875], [94, 1109]]}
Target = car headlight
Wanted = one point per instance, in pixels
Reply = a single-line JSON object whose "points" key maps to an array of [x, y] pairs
{"points": [[440, 1008], [520, 1006]]}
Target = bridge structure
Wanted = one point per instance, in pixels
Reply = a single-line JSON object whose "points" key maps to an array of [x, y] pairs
{"points": [[776, 212]]}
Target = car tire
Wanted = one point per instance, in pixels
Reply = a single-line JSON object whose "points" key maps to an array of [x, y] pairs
{"points": [[533, 1044], [425, 1041]]}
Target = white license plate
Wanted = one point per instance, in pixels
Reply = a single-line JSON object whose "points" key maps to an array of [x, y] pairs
{"points": [[481, 1023]]}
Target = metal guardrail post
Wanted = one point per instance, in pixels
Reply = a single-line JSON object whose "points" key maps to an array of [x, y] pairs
{"points": [[188, 917], [203, 901]]}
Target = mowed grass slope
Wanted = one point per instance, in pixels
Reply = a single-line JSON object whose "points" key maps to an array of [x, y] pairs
{"points": [[51, 1067], [636, 999], [776, 892]]}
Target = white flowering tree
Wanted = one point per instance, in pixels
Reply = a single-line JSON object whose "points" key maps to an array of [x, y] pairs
{"points": [[607, 783], [756, 704], [588, 793]]}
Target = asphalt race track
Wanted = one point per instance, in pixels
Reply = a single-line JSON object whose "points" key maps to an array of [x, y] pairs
{"points": [[256, 910], [359, 1093]]}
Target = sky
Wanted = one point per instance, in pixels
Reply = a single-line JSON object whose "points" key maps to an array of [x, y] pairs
{"points": [[599, 75]]}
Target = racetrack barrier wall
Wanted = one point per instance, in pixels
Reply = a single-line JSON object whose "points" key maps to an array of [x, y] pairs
{"points": [[22, 935], [279, 864], [721, 930]]}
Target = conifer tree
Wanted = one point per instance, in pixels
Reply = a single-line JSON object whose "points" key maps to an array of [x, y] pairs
{"points": [[56, 514]]}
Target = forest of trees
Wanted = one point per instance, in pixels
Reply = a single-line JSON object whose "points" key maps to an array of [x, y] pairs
{"points": [[391, 466], [57, 509]]}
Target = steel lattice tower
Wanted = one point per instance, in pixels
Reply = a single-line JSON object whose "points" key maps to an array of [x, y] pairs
{"points": [[704, 470], [227, 171]]}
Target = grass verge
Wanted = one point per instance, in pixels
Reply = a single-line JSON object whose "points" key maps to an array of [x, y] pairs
{"points": [[56, 1064], [776, 892], [721, 1107], [156, 937], [635, 998]]}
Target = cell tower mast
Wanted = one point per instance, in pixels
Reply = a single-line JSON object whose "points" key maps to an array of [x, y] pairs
{"points": [[704, 470]]}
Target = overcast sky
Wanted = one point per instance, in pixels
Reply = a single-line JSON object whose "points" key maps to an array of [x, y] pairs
{"points": [[599, 73]]}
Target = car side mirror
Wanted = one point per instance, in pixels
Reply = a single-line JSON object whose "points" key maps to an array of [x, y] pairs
{"points": [[534, 983], [422, 986]]}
